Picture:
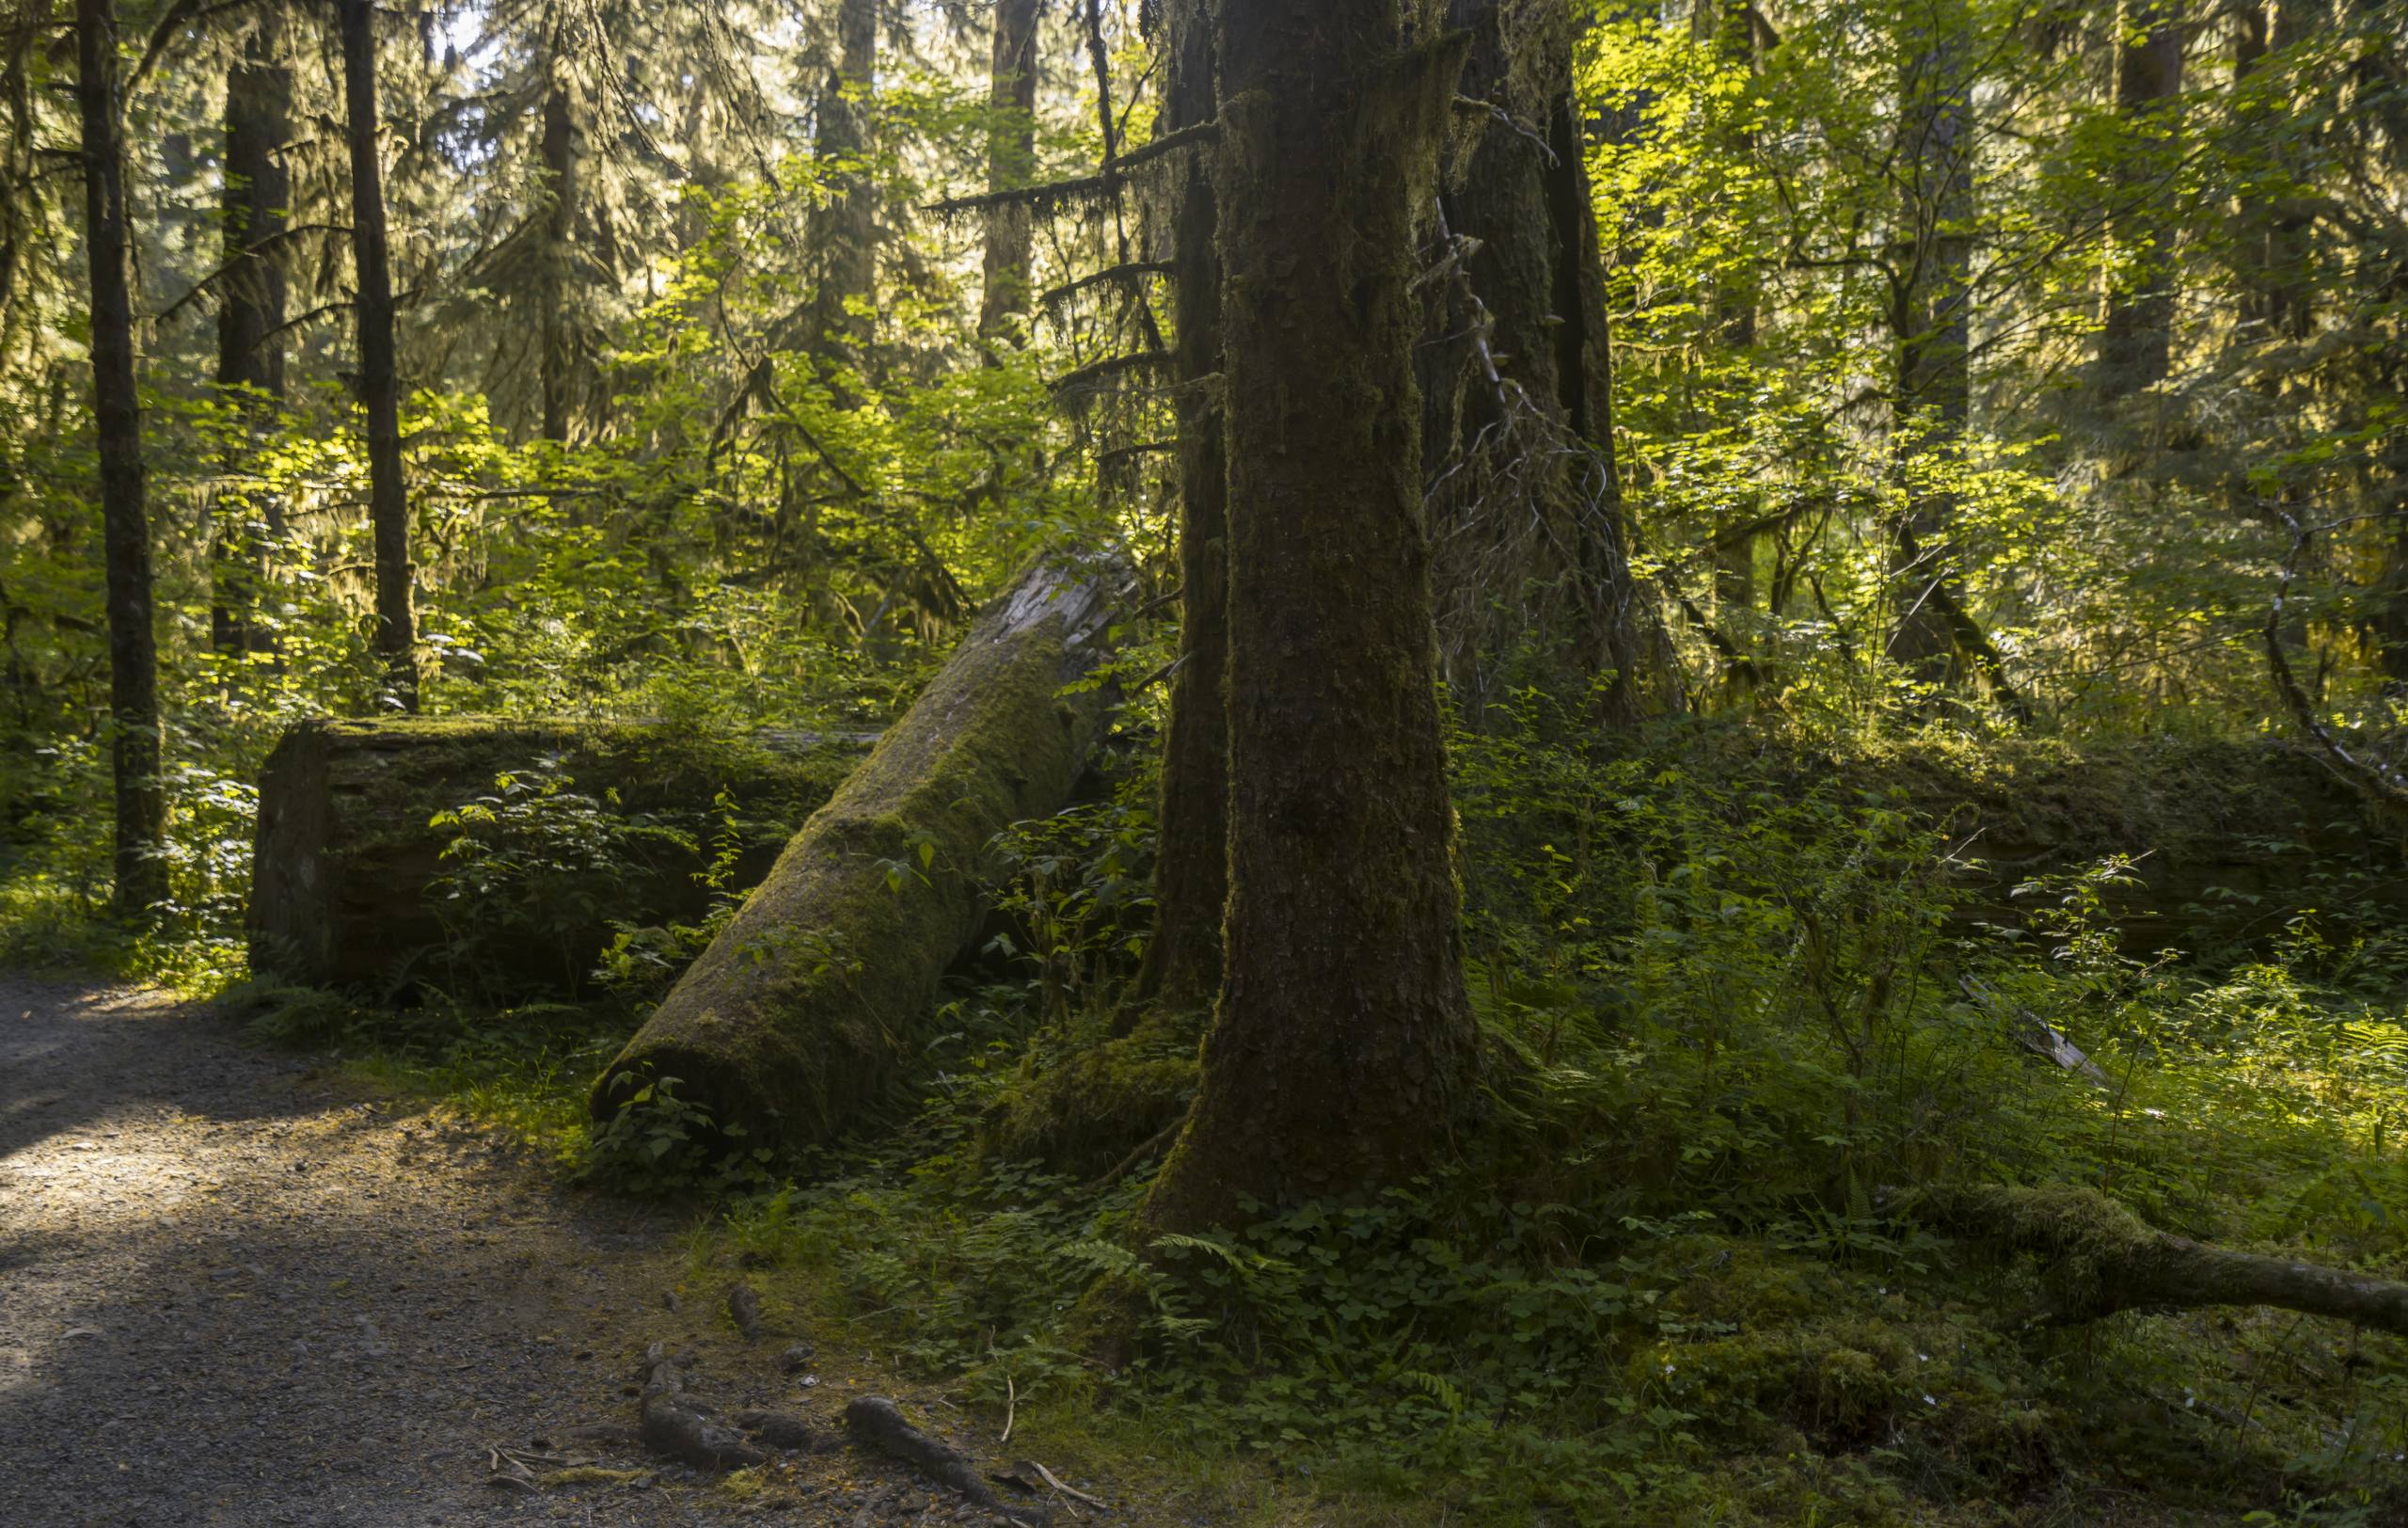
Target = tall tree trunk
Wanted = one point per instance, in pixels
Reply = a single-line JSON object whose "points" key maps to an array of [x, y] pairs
{"points": [[250, 314], [846, 229], [1734, 43], [125, 522], [2135, 340], [1525, 330], [1343, 1050], [1011, 162], [1931, 324], [388, 509], [558, 364], [2272, 251], [1183, 970]]}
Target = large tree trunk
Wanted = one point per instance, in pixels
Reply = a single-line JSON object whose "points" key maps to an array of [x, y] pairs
{"points": [[345, 856], [1183, 969], [845, 229], [250, 318], [2135, 340], [125, 521], [2272, 247], [1011, 163], [1343, 1052], [804, 1009], [380, 393], [1517, 366]]}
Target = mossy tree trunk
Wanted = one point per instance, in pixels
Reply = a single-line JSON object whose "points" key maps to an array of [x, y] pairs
{"points": [[1183, 969], [559, 366], [250, 318], [2136, 338], [846, 229], [1934, 636], [380, 388], [1342, 1052], [2097, 1259], [1011, 163], [135, 745], [806, 1007], [1516, 362]]}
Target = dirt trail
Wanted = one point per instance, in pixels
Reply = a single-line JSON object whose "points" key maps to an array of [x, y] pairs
{"points": [[233, 1293]]}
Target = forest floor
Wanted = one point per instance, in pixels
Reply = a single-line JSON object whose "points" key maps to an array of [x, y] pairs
{"points": [[240, 1289]]}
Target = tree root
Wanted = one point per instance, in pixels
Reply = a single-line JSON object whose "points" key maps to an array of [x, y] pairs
{"points": [[682, 1428], [879, 1423], [2102, 1258]]}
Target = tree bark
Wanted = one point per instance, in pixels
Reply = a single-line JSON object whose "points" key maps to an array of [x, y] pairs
{"points": [[559, 364], [805, 1009], [345, 855], [1183, 969], [251, 316], [388, 509], [846, 229], [135, 745], [1935, 637], [2136, 338], [1343, 1052], [2101, 1259], [1516, 362], [1011, 163]]}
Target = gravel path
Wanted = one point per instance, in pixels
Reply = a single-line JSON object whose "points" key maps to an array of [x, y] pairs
{"points": [[234, 1292]]}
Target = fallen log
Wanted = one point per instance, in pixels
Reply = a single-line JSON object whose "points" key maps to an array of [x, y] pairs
{"points": [[2100, 1258], [346, 853], [799, 1015]]}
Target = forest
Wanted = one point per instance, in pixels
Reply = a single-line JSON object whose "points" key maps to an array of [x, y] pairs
{"points": [[1383, 761]]}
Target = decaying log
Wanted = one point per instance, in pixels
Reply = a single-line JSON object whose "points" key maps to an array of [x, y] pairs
{"points": [[799, 1015], [2100, 1258], [345, 853]]}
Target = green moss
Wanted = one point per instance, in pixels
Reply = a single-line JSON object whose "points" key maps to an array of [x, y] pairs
{"points": [[799, 1018], [1083, 1109]]}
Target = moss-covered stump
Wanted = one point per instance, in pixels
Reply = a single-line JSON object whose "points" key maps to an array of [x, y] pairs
{"points": [[795, 1022], [347, 860]]}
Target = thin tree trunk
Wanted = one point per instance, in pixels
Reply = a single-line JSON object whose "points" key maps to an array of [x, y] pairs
{"points": [[379, 383], [1935, 637], [1011, 162], [1183, 969], [559, 364], [2135, 340], [250, 350], [846, 229], [125, 524], [1733, 41], [1343, 1051]]}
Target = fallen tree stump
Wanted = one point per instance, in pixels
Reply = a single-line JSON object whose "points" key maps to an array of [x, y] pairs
{"points": [[2100, 1258], [345, 855], [800, 1014]]}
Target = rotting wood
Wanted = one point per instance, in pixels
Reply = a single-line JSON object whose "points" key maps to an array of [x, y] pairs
{"points": [[346, 856], [2100, 1258], [802, 1013]]}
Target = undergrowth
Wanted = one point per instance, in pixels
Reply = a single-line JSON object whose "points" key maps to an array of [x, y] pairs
{"points": [[1755, 996]]}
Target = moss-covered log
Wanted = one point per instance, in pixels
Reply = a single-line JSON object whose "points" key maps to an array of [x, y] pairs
{"points": [[2099, 1258], [346, 858], [799, 1014]]}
